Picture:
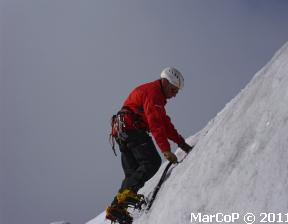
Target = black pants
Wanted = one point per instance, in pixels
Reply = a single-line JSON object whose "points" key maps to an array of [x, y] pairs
{"points": [[140, 160]]}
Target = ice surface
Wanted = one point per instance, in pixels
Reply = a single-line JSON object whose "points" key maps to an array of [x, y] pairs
{"points": [[239, 163]]}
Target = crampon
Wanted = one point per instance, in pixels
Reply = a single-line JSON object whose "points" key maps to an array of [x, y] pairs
{"points": [[135, 203]]}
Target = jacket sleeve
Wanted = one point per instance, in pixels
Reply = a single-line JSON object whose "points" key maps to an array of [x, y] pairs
{"points": [[172, 132], [155, 114]]}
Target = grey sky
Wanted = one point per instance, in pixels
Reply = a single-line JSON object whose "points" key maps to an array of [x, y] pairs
{"points": [[67, 66]]}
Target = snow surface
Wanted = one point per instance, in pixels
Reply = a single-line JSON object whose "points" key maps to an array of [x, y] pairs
{"points": [[239, 163]]}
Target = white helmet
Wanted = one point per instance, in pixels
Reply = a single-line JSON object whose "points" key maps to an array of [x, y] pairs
{"points": [[173, 76]]}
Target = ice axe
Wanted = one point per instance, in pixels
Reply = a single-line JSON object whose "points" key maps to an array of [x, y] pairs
{"points": [[158, 186]]}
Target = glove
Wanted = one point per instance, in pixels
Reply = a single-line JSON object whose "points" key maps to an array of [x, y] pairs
{"points": [[170, 156], [185, 147]]}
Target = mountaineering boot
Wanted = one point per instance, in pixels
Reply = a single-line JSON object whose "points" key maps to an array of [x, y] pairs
{"points": [[128, 197], [119, 214]]}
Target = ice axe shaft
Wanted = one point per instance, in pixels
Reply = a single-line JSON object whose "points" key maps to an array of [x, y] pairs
{"points": [[158, 185]]}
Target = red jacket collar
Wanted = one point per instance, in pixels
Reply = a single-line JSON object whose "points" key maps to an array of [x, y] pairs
{"points": [[162, 90]]}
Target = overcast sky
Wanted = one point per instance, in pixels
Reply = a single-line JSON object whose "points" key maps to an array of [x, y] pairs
{"points": [[67, 66]]}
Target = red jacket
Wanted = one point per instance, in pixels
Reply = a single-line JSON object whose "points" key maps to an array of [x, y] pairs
{"points": [[148, 101]]}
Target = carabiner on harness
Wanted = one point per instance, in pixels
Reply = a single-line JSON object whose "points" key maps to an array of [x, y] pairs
{"points": [[118, 130]]}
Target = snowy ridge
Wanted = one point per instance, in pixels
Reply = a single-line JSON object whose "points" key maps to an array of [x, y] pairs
{"points": [[239, 163]]}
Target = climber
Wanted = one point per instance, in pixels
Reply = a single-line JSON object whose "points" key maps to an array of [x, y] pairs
{"points": [[144, 112]]}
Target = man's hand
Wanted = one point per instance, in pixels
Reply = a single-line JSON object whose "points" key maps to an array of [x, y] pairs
{"points": [[185, 147], [170, 156]]}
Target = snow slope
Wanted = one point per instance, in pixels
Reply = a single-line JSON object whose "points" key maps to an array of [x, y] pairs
{"points": [[239, 163]]}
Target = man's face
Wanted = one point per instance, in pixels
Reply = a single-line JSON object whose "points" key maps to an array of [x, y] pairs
{"points": [[171, 91]]}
